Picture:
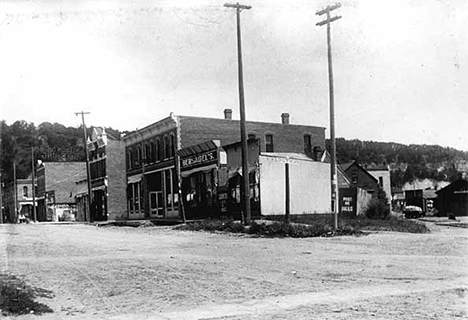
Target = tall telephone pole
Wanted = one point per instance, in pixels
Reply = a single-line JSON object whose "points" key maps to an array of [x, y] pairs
{"points": [[245, 168], [33, 189], [333, 174], [88, 174]]}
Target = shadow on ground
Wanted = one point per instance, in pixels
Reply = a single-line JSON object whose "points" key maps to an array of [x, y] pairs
{"points": [[17, 297]]}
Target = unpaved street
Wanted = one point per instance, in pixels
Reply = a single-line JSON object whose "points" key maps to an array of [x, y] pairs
{"points": [[160, 273]]}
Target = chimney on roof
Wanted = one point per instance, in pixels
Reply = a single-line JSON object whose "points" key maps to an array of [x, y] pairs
{"points": [[285, 118], [228, 114]]}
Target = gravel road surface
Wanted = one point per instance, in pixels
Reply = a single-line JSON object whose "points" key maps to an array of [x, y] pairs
{"points": [[161, 273]]}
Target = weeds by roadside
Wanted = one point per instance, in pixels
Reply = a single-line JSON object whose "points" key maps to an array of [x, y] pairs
{"points": [[16, 297], [304, 226]]}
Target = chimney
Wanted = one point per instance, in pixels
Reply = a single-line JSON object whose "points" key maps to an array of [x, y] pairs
{"points": [[285, 118], [228, 114]]}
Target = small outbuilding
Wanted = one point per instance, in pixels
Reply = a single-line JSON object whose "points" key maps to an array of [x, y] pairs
{"points": [[453, 199]]}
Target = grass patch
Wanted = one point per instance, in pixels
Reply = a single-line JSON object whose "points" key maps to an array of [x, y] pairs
{"points": [[304, 226], [268, 228], [390, 223], [17, 298]]}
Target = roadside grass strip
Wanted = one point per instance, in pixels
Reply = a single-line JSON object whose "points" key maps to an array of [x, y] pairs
{"points": [[17, 297]]}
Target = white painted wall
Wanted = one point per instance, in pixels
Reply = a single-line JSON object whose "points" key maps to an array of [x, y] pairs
{"points": [[309, 186]]}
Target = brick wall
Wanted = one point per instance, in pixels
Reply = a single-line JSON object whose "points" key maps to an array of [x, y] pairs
{"points": [[286, 137], [61, 177], [117, 181]]}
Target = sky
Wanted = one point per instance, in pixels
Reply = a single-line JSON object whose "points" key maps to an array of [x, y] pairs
{"points": [[400, 67]]}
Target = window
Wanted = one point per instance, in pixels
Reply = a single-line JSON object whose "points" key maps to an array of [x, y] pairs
{"points": [[173, 146], [129, 159], [158, 150], [307, 144], [381, 181], [167, 147], [251, 136], [269, 143], [25, 192], [354, 178]]}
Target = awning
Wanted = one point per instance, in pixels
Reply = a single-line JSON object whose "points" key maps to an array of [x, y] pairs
{"points": [[134, 179], [199, 169]]}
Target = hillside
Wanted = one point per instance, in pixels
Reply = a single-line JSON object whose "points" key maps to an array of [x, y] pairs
{"points": [[55, 142], [407, 162], [51, 142]]}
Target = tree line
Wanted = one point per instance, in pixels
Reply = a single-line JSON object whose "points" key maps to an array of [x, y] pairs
{"points": [[55, 142], [407, 162], [47, 142]]}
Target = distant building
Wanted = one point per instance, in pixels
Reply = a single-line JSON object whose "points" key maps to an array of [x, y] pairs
{"points": [[56, 189], [382, 174], [360, 177], [152, 168], [19, 195], [453, 199]]}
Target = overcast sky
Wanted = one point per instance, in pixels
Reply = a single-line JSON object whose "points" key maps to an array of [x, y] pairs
{"points": [[400, 66]]}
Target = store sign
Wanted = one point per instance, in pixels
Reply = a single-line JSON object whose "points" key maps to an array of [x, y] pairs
{"points": [[347, 205], [199, 159]]}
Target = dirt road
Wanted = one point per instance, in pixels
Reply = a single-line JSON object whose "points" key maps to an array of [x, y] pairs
{"points": [[160, 273]]}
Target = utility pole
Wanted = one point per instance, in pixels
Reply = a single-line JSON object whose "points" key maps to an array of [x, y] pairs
{"points": [[33, 176], [333, 174], [15, 192], [245, 168], [88, 174], [1, 198]]}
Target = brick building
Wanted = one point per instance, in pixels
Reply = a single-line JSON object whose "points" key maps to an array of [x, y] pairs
{"points": [[108, 180], [56, 189], [20, 199], [153, 170]]}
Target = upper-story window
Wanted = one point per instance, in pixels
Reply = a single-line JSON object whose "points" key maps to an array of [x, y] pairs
{"points": [[25, 192], [381, 181], [269, 143], [173, 145], [307, 144], [138, 156], [129, 159], [158, 150], [167, 147], [251, 136]]}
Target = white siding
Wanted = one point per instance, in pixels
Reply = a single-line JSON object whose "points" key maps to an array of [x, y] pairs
{"points": [[309, 186]]}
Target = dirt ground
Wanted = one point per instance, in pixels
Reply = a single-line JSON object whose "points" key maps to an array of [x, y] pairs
{"points": [[160, 273]]}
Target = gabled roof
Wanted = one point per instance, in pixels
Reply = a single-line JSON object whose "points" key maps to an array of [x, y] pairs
{"points": [[459, 184], [346, 167]]}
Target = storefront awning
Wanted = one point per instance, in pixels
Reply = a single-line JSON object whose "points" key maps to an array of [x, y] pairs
{"points": [[134, 179], [207, 168]]}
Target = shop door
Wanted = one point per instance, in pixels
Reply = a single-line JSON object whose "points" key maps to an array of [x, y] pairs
{"points": [[156, 204]]}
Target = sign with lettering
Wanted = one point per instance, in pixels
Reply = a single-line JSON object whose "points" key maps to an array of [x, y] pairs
{"points": [[199, 160], [348, 203]]}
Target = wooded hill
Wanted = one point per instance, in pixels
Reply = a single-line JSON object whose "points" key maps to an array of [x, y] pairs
{"points": [[48, 141], [55, 142], [407, 162]]}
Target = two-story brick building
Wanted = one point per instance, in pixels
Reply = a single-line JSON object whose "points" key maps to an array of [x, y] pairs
{"points": [[19, 195], [153, 173]]}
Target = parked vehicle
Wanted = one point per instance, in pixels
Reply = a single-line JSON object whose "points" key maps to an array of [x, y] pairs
{"points": [[412, 212]]}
